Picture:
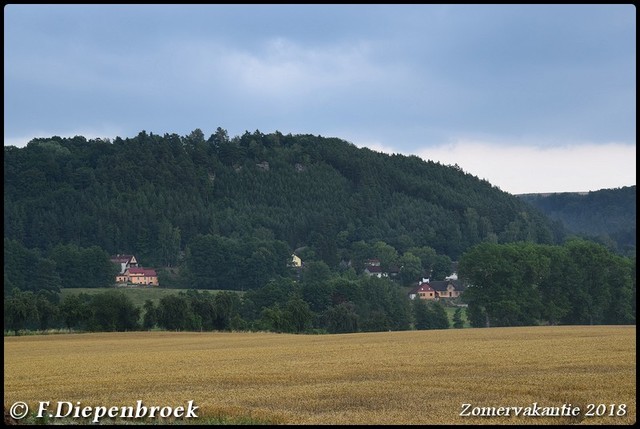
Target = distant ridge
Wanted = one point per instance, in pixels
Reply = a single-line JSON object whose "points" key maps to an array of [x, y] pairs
{"points": [[609, 215]]}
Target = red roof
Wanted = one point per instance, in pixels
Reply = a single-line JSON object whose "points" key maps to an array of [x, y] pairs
{"points": [[425, 288], [144, 271]]}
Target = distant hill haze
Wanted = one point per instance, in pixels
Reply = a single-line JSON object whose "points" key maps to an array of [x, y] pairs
{"points": [[609, 215]]}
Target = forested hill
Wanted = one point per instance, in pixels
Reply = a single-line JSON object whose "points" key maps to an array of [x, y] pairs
{"points": [[152, 195], [607, 215]]}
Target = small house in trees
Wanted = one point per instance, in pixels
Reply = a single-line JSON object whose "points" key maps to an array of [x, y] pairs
{"points": [[296, 262], [132, 273], [447, 288], [373, 271], [142, 276], [372, 268], [423, 291], [436, 290]]}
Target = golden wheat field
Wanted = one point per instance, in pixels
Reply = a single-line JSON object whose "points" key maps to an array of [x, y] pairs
{"points": [[413, 377]]}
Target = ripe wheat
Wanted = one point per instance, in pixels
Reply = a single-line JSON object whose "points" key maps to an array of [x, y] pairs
{"points": [[413, 377]]}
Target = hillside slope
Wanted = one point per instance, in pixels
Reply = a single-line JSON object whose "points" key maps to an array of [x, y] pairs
{"points": [[153, 195], [608, 215]]}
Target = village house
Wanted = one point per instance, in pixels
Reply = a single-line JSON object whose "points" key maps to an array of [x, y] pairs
{"points": [[142, 276], [374, 271], [132, 274], [436, 290], [423, 291], [295, 262], [372, 268], [447, 288]]}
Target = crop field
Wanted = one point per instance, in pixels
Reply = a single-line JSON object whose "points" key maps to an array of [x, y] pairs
{"points": [[412, 377]]}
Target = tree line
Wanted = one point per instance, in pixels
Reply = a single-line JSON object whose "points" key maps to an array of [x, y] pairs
{"points": [[515, 284], [521, 284], [342, 304], [63, 266]]}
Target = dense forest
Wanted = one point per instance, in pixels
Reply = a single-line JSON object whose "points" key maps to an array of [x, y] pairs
{"points": [[607, 215], [227, 214], [153, 195]]}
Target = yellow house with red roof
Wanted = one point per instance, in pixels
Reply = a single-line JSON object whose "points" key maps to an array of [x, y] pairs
{"points": [[142, 276], [131, 273], [436, 290], [423, 291]]}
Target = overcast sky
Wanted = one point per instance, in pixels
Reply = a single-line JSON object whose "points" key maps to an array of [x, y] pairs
{"points": [[532, 98]]}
